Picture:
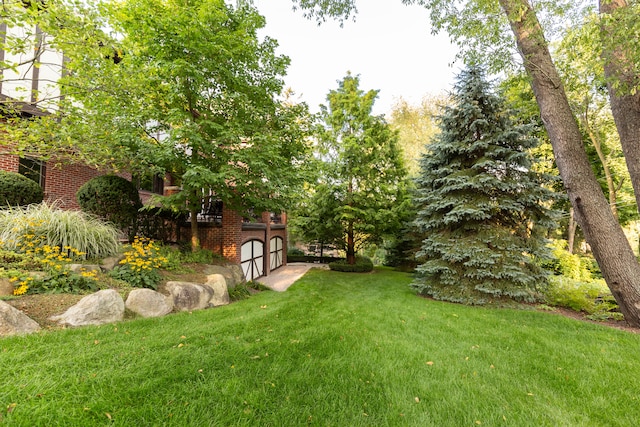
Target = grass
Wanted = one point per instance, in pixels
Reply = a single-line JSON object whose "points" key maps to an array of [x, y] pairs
{"points": [[336, 349]]}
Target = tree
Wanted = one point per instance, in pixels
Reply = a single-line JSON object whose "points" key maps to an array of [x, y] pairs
{"points": [[180, 87], [364, 173], [482, 209], [416, 127], [481, 26]]}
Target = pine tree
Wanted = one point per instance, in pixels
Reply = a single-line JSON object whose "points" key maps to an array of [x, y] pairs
{"points": [[480, 205]]}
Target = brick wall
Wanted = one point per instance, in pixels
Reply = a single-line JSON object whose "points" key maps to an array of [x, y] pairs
{"points": [[9, 163], [63, 182]]}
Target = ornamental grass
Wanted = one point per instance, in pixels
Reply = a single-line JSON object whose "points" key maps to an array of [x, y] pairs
{"points": [[25, 229]]}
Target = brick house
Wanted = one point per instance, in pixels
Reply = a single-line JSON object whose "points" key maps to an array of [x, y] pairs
{"points": [[259, 247]]}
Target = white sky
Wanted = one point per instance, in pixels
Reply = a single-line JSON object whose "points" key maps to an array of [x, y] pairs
{"points": [[390, 46]]}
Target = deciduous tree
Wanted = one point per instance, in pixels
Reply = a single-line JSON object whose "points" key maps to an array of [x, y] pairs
{"points": [[364, 172]]}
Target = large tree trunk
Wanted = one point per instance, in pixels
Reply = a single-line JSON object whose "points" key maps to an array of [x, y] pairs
{"points": [[603, 233], [624, 105]]}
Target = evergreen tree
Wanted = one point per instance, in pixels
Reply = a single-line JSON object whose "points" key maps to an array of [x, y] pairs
{"points": [[480, 204]]}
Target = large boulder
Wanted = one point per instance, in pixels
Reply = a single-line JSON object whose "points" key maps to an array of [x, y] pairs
{"points": [[187, 296], [218, 284], [6, 287], [149, 303], [15, 322], [104, 306], [232, 273]]}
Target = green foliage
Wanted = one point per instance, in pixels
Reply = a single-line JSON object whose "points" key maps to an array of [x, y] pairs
{"points": [[571, 266], [481, 206], [112, 198], [27, 228], [18, 190], [592, 297], [45, 269], [244, 290], [362, 186], [141, 264], [362, 265]]}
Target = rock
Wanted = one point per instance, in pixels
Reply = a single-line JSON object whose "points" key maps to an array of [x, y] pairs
{"points": [[188, 296], [79, 268], [149, 303], [104, 306], [15, 322], [218, 284], [232, 273], [6, 287], [110, 263]]}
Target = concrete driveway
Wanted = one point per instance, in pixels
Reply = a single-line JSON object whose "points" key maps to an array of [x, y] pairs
{"points": [[280, 279]]}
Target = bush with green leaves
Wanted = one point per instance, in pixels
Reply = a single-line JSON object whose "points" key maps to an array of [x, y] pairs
{"points": [[23, 229], [18, 190], [592, 298], [362, 265], [141, 264], [113, 198]]}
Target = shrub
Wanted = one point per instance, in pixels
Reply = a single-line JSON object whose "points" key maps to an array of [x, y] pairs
{"points": [[593, 298], [113, 198], [18, 190], [362, 265], [140, 265], [570, 265], [23, 229]]}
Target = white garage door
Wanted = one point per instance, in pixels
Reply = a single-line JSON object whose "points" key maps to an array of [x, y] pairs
{"points": [[275, 252], [252, 259]]}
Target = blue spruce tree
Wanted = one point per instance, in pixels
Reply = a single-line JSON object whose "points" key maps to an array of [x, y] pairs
{"points": [[482, 209]]}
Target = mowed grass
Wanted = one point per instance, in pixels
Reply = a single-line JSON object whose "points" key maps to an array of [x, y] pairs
{"points": [[336, 349]]}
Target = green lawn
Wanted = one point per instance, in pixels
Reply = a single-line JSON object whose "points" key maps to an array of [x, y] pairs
{"points": [[336, 349]]}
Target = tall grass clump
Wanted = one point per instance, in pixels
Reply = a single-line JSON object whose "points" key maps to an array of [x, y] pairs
{"points": [[26, 228]]}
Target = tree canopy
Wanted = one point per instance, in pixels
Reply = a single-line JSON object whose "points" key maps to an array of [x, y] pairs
{"points": [[177, 87], [362, 185]]}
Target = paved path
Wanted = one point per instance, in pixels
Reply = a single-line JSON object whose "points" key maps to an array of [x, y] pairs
{"points": [[280, 279]]}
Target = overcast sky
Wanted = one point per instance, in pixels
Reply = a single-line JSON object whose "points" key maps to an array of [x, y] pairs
{"points": [[390, 46]]}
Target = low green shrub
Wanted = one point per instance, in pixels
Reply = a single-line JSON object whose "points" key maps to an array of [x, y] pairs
{"points": [[112, 198], [362, 265], [245, 290], [25, 229], [570, 265], [294, 251], [312, 258], [593, 298], [18, 190]]}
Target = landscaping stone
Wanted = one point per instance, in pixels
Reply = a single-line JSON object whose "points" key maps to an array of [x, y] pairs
{"points": [[110, 263], [188, 296], [218, 284], [6, 287], [232, 273], [15, 322], [79, 268], [104, 306], [149, 303]]}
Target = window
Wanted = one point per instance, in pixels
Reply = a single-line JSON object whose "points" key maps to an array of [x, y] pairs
{"points": [[32, 169]]}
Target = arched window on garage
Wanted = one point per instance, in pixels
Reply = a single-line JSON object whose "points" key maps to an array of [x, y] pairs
{"points": [[252, 259], [275, 252]]}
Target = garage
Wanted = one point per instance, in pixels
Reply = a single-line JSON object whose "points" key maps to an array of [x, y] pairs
{"points": [[275, 253], [252, 259]]}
